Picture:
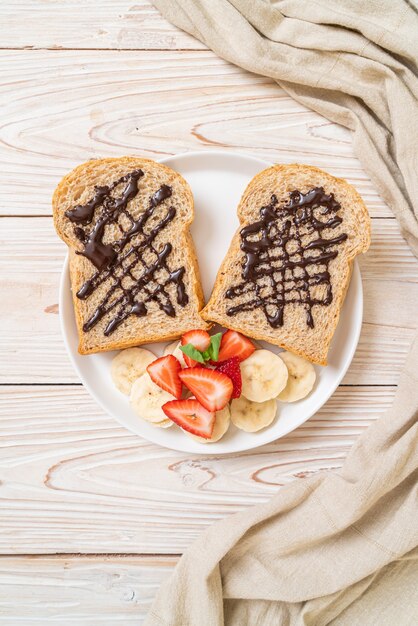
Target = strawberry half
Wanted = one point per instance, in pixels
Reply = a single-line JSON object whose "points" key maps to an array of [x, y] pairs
{"points": [[213, 389], [190, 415], [235, 344], [164, 372], [232, 369], [199, 339]]}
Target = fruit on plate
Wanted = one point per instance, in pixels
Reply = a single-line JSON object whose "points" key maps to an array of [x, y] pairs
{"points": [[211, 388], [199, 339], [301, 378], [252, 416], [164, 372], [147, 398], [174, 349], [264, 376], [222, 421], [235, 344], [129, 365], [191, 416], [215, 370], [231, 368]]}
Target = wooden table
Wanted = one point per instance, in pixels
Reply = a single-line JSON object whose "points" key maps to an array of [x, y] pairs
{"points": [[93, 518]]}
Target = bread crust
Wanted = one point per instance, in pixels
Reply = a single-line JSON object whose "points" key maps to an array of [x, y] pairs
{"points": [[81, 269], [281, 336]]}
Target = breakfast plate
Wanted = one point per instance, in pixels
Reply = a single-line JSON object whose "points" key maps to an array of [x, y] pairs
{"points": [[217, 180]]}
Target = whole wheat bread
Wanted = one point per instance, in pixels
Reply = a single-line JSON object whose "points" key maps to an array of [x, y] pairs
{"points": [[288, 267], [133, 268]]}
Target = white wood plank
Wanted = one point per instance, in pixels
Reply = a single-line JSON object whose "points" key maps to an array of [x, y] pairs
{"points": [[73, 480], [81, 591], [85, 24], [61, 108], [31, 259]]}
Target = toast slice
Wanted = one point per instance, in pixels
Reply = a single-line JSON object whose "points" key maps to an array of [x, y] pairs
{"points": [[288, 267], [134, 272]]}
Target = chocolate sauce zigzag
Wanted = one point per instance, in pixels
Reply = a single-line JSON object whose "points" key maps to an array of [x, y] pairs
{"points": [[266, 244], [118, 261]]}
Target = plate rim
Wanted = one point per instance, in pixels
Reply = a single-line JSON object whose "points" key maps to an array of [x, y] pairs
{"points": [[207, 449]]}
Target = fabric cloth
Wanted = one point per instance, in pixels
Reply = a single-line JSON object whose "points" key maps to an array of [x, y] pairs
{"points": [[336, 548]]}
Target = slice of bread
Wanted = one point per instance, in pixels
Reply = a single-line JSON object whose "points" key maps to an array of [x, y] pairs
{"points": [[134, 272], [288, 267]]}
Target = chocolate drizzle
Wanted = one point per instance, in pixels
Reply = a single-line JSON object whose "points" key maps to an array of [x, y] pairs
{"points": [[287, 256], [133, 268]]}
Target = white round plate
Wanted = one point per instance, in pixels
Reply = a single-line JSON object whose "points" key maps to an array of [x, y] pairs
{"points": [[217, 180]]}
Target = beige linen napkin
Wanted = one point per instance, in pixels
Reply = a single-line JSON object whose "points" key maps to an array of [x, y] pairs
{"points": [[336, 548]]}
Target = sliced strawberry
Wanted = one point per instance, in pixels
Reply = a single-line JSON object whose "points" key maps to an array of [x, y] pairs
{"points": [[235, 344], [232, 369], [199, 339], [190, 415], [213, 389], [165, 373]]}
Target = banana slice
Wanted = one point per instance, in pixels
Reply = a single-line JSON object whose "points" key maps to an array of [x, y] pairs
{"points": [[222, 420], [264, 376], [174, 349], [252, 416], [164, 424], [147, 399], [129, 365], [301, 378]]}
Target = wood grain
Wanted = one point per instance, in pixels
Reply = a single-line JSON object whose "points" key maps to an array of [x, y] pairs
{"points": [[31, 259], [115, 24], [103, 591], [73, 480], [61, 108]]}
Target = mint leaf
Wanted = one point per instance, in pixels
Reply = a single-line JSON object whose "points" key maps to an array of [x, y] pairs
{"points": [[191, 351], [211, 354], [215, 342]]}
